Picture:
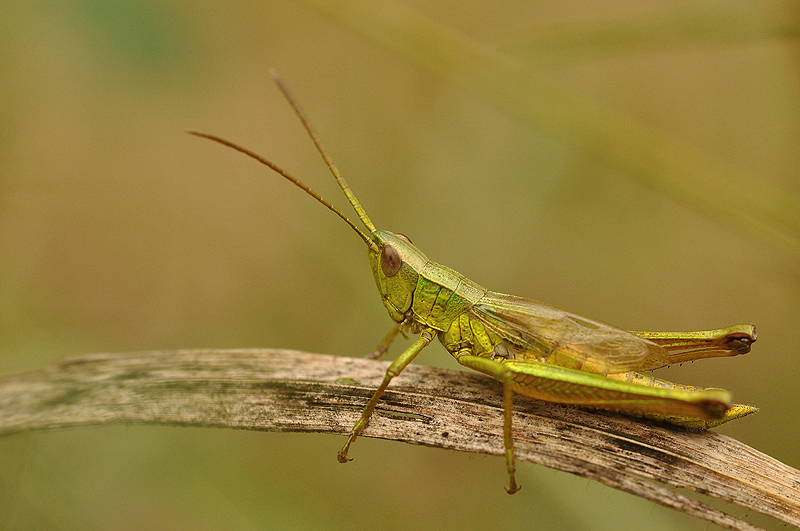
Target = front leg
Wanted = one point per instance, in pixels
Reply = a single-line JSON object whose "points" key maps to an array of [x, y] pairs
{"points": [[394, 369], [504, 375], [383, 346]]}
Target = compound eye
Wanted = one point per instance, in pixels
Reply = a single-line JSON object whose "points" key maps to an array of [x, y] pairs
{"points": [[390, 261], [403, 237]]}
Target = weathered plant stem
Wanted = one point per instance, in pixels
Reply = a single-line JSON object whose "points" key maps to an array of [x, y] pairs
{"points": [[282, 390]]}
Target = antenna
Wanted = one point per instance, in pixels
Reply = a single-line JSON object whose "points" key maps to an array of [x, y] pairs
{"points": [[362, 214], [297, 182]]}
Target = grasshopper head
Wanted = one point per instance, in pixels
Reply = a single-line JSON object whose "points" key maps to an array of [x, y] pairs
{"points": [[396, 264]]}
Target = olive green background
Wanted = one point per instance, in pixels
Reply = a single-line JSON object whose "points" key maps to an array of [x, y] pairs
{"points": [[119, 232]]}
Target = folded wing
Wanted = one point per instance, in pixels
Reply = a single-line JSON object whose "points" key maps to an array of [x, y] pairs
{"points": [[544, 333]]}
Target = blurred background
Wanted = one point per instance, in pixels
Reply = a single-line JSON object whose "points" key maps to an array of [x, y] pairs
{"points": [[630, 161]]}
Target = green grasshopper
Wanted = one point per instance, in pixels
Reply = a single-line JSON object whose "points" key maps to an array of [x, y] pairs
{"points": [[532, 348]]}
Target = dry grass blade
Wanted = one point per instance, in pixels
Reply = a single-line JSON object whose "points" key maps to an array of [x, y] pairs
{"points": [[280, 390]]}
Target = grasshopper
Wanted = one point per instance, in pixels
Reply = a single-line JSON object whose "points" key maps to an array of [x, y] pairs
{"points": [[531, 348]]}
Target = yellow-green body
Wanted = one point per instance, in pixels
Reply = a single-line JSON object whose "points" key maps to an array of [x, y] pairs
{"points": [[552, 354], [532, 348]]}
